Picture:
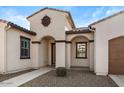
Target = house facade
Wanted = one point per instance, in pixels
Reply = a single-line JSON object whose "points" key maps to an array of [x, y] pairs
{"points": [[53, 40]]}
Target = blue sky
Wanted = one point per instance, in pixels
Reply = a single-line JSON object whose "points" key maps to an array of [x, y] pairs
{"points": [[82, 15]]}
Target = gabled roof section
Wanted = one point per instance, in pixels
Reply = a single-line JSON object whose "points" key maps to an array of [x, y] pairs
{"points": [[116, 14], [69, 14], [45, 9], [18, 27]]}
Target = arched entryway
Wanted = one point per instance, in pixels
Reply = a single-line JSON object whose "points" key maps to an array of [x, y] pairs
{"points": [[48, 51], [80, 51]]}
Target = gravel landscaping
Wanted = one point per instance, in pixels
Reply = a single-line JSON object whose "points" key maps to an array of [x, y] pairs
{"points": [[74, 78], [11, 75]]}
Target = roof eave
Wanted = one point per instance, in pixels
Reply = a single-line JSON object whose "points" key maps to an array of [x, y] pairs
{"points": [[44, 9], [69, 14], [8, 23], [72, 20], [21, 28], [78, 32]]}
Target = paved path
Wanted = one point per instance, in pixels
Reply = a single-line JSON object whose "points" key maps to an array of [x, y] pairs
{"points": [[119, 79], [19, 80], [4, 77]]}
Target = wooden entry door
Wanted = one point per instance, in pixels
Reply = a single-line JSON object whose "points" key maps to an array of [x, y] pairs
{"points": [[116, 56], [53, 54]]}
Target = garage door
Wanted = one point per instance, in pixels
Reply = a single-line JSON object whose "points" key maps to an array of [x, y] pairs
{"points": [[116, 56]]}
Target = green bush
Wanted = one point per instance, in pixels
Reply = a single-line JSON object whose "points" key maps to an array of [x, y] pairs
{"points": [[61, 71]]}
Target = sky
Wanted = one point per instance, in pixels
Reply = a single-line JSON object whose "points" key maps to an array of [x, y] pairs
{"points": [[82, 15]]}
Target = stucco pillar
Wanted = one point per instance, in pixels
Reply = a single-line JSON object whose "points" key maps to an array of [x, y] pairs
{"points": [[3, 53], [68, 55], [35, 55], [60, 54], [101, 57], [91, 46]]}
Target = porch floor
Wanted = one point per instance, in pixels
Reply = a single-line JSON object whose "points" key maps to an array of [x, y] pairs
{"points": [[74, 78], [80, 68]]}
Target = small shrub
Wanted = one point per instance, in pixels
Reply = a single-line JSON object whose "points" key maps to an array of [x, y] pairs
{"points": [[61, 71]]}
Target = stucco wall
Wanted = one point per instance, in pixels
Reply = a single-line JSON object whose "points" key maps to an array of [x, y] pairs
{"points": [[56, 27], [45, 52], [71, 50], [67, 25], [105, 31], [60, 54], [35, 55], [14, 63], [90, 36], [78, 61], [2, 48]]}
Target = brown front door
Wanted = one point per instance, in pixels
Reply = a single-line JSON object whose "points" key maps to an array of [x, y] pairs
{"points": [[53, 53], [116, 56]]}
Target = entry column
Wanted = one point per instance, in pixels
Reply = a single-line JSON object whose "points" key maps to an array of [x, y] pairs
{"points": [[68, 55], [35, 54], [91, 44], [60, 53]]}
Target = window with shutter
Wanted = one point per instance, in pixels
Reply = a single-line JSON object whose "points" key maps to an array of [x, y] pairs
{"points": [[24, 48]]}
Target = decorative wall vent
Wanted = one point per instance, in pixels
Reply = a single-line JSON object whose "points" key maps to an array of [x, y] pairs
{"points": [[46, 21]]}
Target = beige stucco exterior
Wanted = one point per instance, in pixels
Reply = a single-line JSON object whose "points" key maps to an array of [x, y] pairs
{"points": [[10, 50], [2, 48], [14, 63], [65, 43], [106, 30], [85, 37], [55, 30], [41, 51]]}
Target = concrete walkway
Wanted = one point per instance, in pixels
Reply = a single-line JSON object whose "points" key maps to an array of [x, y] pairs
{"points": [[118, 79], [19, 80]]}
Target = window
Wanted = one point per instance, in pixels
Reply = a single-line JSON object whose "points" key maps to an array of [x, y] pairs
{"points": [[24, 48], [81, 49]]}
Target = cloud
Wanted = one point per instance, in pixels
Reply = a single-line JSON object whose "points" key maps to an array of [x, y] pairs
{"points": [[94, 16], [110, 11], [19, 20], [91, 16], [68, 8], [113, 10], [15, 17], [81, 17], [100, 13], [86, 23]]}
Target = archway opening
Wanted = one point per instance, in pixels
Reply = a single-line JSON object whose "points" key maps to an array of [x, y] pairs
{"points": [[48, 51], [80, 52]]}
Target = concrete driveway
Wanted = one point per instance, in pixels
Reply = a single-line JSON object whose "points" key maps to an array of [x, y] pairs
{"points": [[118, 79]]}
